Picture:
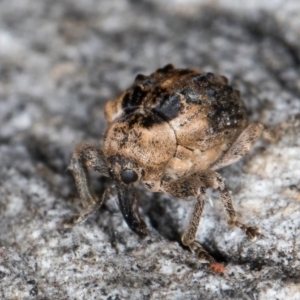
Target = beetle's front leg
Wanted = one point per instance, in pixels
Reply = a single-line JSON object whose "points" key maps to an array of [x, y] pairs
{"points": [[84, 156]]}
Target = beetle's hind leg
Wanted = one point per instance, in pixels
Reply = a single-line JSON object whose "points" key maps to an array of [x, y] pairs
{"points": [[251, 232], [87, 156]]}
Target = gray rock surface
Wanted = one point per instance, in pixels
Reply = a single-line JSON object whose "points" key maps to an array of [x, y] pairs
{"points": [[60, 61]]}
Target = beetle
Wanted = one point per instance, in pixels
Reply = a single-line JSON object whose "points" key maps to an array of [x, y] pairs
{"points": [[170, 131]]}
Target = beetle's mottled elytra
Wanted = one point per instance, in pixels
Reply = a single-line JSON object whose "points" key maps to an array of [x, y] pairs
{"points": [[170, 131]]}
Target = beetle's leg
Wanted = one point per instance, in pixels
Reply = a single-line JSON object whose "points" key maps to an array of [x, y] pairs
{"points": [[189, 186], [184, 188], [91, 209], [252, 232], [87, 156], [240, 147], [188, 237]]}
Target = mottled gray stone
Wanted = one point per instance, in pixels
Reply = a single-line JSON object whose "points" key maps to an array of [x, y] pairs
{"points": [[60, 61]]}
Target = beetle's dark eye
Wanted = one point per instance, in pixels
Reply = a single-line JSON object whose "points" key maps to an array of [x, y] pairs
{"points": [[128, 176]]}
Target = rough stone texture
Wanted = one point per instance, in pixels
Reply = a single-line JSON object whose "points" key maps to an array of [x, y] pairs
{"points": [[60, 61]]}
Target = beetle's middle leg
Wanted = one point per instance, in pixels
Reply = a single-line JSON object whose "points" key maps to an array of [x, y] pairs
{"points": [[189, 235], [87, 156], [183, 189]]}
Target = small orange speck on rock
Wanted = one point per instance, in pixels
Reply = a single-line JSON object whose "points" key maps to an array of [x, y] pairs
{"points": [[217, 268]]}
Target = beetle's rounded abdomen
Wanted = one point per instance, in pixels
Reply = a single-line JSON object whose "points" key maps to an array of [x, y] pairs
{"points": [[172, 107], [201, 108]]}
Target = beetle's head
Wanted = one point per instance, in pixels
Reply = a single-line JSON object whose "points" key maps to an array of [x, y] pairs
{"points": [[125, 173], [136, 146]]}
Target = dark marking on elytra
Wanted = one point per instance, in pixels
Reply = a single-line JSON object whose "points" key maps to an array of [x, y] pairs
{"points": [[150, 120], [226, 113], [191, 96], [135, 119], [211, 92], [185, 71], [140, 78], [227, 90], [169, 106], [200, 79], [145, 81], [209, 75], [137, 95], [144, 120], [126, 100], [167, 68], [132, 100]]}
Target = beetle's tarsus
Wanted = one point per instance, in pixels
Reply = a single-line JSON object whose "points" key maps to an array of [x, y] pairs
{"points": [[201, 254], [251, 231]]}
